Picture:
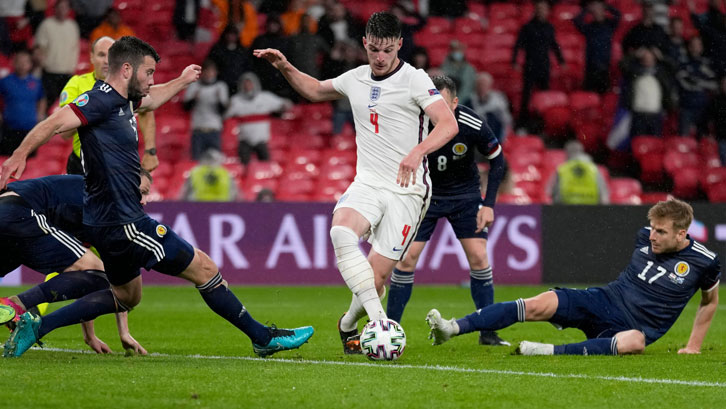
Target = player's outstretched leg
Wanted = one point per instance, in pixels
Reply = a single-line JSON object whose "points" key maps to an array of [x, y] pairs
{"points": [[491, 318], [596, 346], [65, 286], [220, 299]]}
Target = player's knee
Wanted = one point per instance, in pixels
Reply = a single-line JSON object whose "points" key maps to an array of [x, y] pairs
{"points": [[88, 261], [342, 237], [541, 307], [204, 268], [630, 342]]}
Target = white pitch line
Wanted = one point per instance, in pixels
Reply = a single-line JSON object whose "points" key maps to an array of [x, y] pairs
{"points": [[424, 367]]}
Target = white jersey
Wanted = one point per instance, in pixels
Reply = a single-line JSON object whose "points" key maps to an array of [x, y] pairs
{"points": [[389, 122]]}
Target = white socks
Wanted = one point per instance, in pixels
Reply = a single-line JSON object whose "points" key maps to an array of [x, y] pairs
{"points": [[358, 275], [349, 322]]}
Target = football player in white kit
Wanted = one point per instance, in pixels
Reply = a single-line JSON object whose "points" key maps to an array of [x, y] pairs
{"points": [[392, 103]]}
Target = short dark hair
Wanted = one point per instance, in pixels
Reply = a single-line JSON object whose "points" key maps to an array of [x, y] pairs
{"points": [[143, 172], [442, 82], [383, 25], [130, 50]]}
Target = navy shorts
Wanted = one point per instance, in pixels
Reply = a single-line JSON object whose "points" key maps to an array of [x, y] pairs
{"points": [[461, 214], [144, 243], [28, 238], [591, 311]]}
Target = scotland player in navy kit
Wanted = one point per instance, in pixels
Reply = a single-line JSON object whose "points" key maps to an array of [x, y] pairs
{"points": [[666, 269], [39, 221], [115, 223], [457, 196]]}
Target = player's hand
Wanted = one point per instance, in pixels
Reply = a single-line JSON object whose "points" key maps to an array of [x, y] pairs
{"points": [[149, 162], [273, 56], [688, 351], [97, 345], [132, 346], [13, 167], [191, 73], [484, 218], [408, 167]]}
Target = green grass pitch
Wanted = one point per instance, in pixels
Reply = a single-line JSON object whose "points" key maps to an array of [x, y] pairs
{"points": [[200, 361]]}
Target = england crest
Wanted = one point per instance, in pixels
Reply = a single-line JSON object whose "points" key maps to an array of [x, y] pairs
{"points": [[375, 93]]}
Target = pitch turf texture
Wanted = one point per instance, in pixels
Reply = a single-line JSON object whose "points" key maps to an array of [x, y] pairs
{"points": [[200, 361]]}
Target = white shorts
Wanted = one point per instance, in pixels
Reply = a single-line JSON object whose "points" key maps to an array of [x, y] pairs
{"points": [[394, 218]]}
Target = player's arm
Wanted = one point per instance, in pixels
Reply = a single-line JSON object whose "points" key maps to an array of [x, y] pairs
{"points": [[704, 316], [147, 126], [489, 145], [445, 128], [62, 120], [307, 86], [127, 341], [159, 94]]}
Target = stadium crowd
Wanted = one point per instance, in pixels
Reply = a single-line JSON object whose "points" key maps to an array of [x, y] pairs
{"points": [[640, 84]]}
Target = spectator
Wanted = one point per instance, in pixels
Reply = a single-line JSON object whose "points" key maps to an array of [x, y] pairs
{"points": [[420, 58], [646, 34], [270, 77], [536, 38], [677, 50], [58, 38], [712, 27], [493, 106], [344, 56], [295, 19], [241, 14], [647, 91], [716, 116], [598, 38], [461, 71], [207, 99], [90, 13], [231, 58], [307, 49], [16, 31], [112, 27], [696, 80], [265, 196], [338, 25], [578, 181], [24, 101], [252, 107], [411, 22], [210, 181], [186, 15]]}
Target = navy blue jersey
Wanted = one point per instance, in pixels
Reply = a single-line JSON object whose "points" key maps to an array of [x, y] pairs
{"points": [[655, 288], [50, 191], [109, 151], [453, 167], [58, 197]]}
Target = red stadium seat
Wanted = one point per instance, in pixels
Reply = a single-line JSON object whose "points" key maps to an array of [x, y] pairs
{"points": [[295, 190], [306, 141], [330, 190], [651, 168], [499, 41], [337, 172], [654, 197], [501, 11], [708, 147], [319, 111], [278, 141], [298, 171], [710, 161], [625, 191], [523, 159], [685, 183], [524, 143], [464, 26], [712, 177], [263, 170], [675, 161], [508, 26], [681, 144], [336, 157], [585, 106], [645, 145], [343, 142], [544, 100], [304, 156], [250, 188]]}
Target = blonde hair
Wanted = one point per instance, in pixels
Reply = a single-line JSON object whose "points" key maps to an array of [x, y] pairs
{"points": [[680, 212]]}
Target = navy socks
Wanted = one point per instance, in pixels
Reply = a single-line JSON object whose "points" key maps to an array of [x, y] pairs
{"points": [[399, 293]]}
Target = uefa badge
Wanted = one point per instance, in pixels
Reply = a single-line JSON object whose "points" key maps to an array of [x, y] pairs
{"points": [[682, 269], [161, 230], [375, 93], [81, 100]]}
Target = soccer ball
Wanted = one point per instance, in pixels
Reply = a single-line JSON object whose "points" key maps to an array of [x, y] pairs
{"points": [[383, 340]]}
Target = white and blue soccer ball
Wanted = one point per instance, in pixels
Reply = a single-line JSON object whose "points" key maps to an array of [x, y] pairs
{"points": [[383, 340]]}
